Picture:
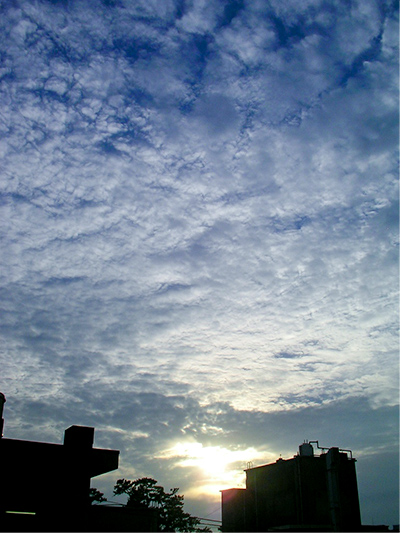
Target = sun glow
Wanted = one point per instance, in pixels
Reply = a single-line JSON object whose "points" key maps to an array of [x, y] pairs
{"points": [[212, 460], [217, 467]]}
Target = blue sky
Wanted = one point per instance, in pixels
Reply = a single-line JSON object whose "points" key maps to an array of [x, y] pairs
{"points": [[199, 255]]}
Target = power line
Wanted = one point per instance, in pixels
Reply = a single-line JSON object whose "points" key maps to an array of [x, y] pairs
{"points": [[214, 511]]}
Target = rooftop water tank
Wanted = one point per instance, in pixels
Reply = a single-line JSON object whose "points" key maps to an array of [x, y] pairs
{"points": [[306, 450]]}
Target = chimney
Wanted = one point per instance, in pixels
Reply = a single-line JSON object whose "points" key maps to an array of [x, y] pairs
{"points": [[2, 402]]}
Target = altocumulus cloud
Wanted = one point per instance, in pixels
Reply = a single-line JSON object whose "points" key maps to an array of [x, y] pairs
{"points": [[200, 233]]}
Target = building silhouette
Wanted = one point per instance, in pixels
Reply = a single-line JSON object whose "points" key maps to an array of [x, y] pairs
{"points": [[305, 493], [45, 486]]}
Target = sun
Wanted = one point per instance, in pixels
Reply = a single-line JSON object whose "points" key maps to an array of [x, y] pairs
{"points": [[212, 468], [212, 460], [217, 466]]}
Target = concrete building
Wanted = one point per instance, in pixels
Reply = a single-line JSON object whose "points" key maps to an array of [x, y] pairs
{"points": [[45, 486], [305, 493]]}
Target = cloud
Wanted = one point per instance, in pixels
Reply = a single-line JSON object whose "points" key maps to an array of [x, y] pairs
{"points": [[200, 221]]}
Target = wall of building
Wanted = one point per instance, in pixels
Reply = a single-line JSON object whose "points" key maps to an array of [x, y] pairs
{"points": [[305, 492], [234, 510], [272, 492], [51, 481]]}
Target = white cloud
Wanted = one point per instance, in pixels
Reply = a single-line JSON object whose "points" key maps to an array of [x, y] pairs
{"points": [[198, 206]]}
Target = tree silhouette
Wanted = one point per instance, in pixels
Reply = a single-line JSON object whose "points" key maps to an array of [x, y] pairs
{"points": [[145, 493], [96, 496]]}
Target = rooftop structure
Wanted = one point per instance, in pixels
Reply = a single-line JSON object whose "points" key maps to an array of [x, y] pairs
{"points": [[50, 481]]}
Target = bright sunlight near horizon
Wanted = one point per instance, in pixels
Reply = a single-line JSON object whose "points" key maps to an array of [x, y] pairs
{"points": [[217, 467]]}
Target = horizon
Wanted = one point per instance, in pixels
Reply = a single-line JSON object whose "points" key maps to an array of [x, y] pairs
{"points": [[207, 497]]}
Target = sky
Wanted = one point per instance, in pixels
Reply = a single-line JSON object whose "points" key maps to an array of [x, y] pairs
{"points": [[199, 235]]}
